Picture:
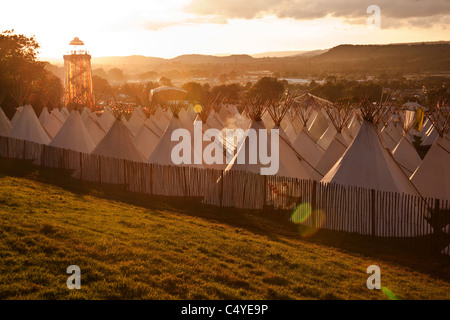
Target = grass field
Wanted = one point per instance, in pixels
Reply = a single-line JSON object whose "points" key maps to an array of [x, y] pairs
{"points": [[132, 246]]}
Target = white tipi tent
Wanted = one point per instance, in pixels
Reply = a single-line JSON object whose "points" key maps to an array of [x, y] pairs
{"points": [[339, 114], [93, 127], [28, 127], [146, 139], [162, 153], [16, 115], [73, 135], [246, 157], [404, 152], [291, 164], [137, 119], [118, 143], [367, 164], [43, 117], [432, 177], [106, 119], [5, 125], [54, 123]]}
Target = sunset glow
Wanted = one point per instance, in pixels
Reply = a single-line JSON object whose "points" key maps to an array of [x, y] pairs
{"points": [[170, 28]]}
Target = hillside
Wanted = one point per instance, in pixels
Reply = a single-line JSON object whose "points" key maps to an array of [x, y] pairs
{"points": [[353, 60], [134, 247]]}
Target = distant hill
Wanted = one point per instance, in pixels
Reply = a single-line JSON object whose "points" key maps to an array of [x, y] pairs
{"points": [[282, 54], [277, 54], [202, 59], [346, 59], [313, 53]]}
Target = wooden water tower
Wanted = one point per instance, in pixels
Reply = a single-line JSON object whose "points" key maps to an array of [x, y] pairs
{"points": [[78, 92]]}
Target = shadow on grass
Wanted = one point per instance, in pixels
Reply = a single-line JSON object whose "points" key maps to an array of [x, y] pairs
{"points": [[274, 226]]}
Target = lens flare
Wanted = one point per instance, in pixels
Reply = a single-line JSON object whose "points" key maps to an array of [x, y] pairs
{"points": [[309, 221], [389, 293], [301, 213], [198, 108], [314, 223]]}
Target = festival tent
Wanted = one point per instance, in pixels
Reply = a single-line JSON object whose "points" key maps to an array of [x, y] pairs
{"points": [[161, 119], [290, 163], [405, 153], [339, 114], [246, 157], [387, 140], [289, 129], [54, 123], [215, 121], [136, 121], [267, 120], [432, 177], [430, 136], [127, 125], [43, 117], [354, 125], [118, 143], [304, 144], [65, 113], [334, 152], [319, 123], [73, 135], [162, 153], [291, 123], [5, 124], [366, 163], [174, 99], [85, 114], [93, 127], [318, 126], [163, 98], [152, 123], [326, 138], [146, 139], [247, 148], [209, 120], [190, 112], [16, 115], [425, 126], [28, 127], [107, 119]]}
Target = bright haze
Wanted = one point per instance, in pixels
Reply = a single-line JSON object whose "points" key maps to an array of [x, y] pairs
{"points": [[173, 27]]}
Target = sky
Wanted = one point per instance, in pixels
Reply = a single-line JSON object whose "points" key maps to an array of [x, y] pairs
{"points": [[168, 28]]}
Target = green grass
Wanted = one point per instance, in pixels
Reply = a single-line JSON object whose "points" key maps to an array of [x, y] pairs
{"points": [[131, 246]]}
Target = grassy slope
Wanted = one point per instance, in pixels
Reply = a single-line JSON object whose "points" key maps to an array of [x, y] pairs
{"points": [[132, 246]]}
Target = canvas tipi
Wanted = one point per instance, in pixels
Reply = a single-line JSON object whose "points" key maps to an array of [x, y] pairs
{"points": [[73, 135], [366, 163], [5, 124], [432, 177], [28, 127]]}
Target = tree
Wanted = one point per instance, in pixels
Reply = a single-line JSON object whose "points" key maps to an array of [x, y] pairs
{"points": [[194, 90], [21, 73], [116, 74], [268, 88], [165, 81]]}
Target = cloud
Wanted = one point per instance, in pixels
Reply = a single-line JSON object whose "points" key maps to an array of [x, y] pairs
{"points": [[155, 25], [400, 12]]}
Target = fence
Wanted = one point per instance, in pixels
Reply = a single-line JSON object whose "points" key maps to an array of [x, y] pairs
{"points": [[329, 206]]}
